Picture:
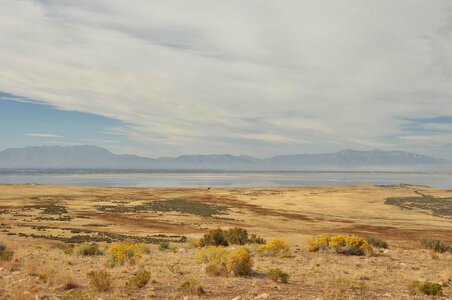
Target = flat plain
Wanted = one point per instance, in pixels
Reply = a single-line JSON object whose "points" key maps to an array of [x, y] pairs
{"points": [[35, 220]]}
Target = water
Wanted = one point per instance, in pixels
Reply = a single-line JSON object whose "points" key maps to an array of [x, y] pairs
{"points": [[222, 179]]}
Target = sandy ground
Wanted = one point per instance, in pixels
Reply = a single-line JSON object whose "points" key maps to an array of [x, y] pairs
{"points": [[33, 218]]}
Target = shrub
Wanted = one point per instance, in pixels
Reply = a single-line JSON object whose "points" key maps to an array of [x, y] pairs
{"points": [[214, 237], [213, 254], [139, 280], [377, 242], [435, 245], [164, 246], [5, 253], [75, 295], [254, 239], [274, 247], [221, 261], [240, 262], [192, 286], [236, 236], [124, 252], [87, 249], [341, 244], [318, 243], [196, 243], [426, 287], [100, 280], [232, 236], [66, 248], [278, 275]]}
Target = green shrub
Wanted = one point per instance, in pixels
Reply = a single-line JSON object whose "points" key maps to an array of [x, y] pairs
{"points": [[164, 246], [192, 286], [139, 280], [426, 287], [87, 249], [214, 237], [278, 275], [377, 242], [232, 236], [435, 245], [236, 236], [254, 239], [100, 280], [2, 246]]}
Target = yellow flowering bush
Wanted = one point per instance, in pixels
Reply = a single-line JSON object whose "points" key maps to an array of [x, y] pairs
{"points": [[125, 252], [240, 262], [221, 261], [274, 247], [341, 244]]}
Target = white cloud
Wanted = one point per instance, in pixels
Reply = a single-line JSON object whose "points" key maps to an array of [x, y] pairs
{"points": [[235, 76], [43, 135]]}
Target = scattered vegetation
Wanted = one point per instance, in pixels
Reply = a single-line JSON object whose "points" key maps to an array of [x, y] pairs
{"points": [[438, 206], [341, 244], [173, 205], [87, 249], [5, 253], [192, 286], [123, 252], [435, 245], [377, 242], [232, 236], [100, 280], [274, 247], [426, 287], [278, 275], [66, 248], [50, 209], [139, 280]]}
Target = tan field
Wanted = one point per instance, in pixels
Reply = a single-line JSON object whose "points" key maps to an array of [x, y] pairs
{"points": [[35, 220]]}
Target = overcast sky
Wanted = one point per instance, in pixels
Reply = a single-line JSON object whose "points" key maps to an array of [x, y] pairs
{"points": [[260, 77]]}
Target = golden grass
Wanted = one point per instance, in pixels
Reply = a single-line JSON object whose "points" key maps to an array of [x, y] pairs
{"points": [[41, 268]]}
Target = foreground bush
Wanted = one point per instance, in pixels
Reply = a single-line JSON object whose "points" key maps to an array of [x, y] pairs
{"points": [[87, 249], [274, 247], [426, 287], [232, 236], [377, 242], [341, 244], [124, 252], [100, 280], [278, 275], [435, 245], [192, 286], [75, 295], [139, 280], [240, 262], [5, 253], [221, 261]]}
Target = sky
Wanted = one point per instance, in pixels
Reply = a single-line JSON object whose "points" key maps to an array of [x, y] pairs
{"points": [[261, 78]]}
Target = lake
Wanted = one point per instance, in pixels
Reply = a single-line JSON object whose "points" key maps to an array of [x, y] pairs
{"points": [[222, 179]]}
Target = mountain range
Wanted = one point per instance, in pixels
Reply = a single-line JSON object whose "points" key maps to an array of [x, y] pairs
{"points": [[93, 157]]}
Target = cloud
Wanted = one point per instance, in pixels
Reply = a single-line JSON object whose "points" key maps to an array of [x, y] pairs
{"points": [[236, 76], [43, 135]]}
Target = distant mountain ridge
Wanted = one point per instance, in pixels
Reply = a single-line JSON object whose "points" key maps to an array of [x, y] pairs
{"points": [[93, 157]]}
